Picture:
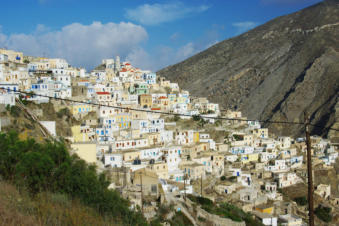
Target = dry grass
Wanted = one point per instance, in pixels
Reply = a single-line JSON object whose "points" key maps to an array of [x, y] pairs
{"points": [[14, 208], [17, 208]]}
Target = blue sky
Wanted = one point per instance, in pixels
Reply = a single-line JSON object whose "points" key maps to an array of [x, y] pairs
{"points": [[149, 34]]}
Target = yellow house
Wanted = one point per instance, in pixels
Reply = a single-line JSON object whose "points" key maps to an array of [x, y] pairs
{"points": [[123, 120], [82, 133], [265, 208], [78, 109], [86, 151], [253, 157], [196, 137], [145, 100]]}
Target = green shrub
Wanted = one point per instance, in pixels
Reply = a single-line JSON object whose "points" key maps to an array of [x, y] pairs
{"points": [[196, 118], [15, 111], [49, 167], [323, 213], [200, 200], [301, 201], [237, 137], [225, 210], [223, 178]]}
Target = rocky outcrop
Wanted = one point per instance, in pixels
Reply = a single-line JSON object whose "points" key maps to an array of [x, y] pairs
{"points": [[273, 72]]}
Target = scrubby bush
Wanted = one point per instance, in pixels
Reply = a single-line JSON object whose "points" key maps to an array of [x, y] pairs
{"points": [[237, 137], [225, 210], [323, 213], [63, 112], [301, 201], [15, 111]]}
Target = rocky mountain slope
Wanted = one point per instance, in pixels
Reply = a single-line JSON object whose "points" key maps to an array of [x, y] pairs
{"points": [[273, 72]]}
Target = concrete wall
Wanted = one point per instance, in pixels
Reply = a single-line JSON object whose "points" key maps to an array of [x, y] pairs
{"points": [[86, 151], [50, 126]]}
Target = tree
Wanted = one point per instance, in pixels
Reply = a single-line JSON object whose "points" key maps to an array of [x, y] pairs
{"points": [[196, 117], [34, 171]]}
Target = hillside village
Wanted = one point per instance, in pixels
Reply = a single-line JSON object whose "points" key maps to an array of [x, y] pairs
{"points": [[158, 144]]}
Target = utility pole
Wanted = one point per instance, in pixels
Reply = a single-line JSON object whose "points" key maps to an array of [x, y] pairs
{"points": [[142, 195], [309, 171]]}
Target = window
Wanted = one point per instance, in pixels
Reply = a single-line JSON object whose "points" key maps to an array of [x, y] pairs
{"points": [[154, 188]]}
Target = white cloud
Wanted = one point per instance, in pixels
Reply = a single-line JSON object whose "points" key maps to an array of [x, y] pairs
{"points": [[244, 26], [159, 13], [140, 58], [164, 56], [86, 45], [81, 45]]}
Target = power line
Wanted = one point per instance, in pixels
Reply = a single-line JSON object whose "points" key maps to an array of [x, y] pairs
{"points": [[166, 113]]}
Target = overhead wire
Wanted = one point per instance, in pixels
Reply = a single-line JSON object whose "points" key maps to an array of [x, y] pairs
{"points": [[164, 112]]}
